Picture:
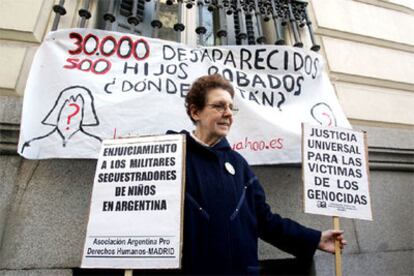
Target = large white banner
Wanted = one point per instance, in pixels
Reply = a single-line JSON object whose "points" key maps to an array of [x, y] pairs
{"points": [[88, 85]]}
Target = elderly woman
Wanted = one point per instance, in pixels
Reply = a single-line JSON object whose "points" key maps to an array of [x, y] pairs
{"points": [[225, 207]]}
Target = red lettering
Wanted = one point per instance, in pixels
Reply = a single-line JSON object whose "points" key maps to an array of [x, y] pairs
{"points": [[100, 66], [255, 146], [259, 145], [262, 145], [238, 146], [90, 40], [106, 66], [78, 42], [276, 143], [124, 51], [125, 47], [73, 63], [82, 66], [108, 50], [142, 54]]}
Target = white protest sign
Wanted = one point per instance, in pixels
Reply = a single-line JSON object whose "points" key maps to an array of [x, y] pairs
{"points": [[335, 172], [136, 211], [88, 85]]}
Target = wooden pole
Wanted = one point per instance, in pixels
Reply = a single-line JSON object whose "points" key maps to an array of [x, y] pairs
{"points": [[128, 272], [338, 261]]}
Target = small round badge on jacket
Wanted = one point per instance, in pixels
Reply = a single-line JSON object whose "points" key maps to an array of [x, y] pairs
{"points": [[229, 168]]}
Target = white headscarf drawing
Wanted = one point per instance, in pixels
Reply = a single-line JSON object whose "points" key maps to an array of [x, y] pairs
{"points": [[73, 109], [323, 114]]}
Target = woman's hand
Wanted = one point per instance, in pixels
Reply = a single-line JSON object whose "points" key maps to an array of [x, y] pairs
{"points": [[328, 238]]}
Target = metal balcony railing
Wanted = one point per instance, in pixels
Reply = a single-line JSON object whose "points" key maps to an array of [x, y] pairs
{"points": [[240, 21]]}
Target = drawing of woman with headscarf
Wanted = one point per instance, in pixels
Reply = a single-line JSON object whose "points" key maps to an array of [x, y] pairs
{"points": [[323, 114], [73, 110]]}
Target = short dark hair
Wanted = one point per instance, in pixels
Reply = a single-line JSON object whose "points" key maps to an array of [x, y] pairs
{"points": [[197, 96]]}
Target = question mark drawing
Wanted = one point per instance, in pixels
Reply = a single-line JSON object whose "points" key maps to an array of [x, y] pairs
{"points": [[70, 116], [282, 100]]}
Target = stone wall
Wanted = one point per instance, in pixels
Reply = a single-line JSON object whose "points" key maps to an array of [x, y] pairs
{"points": [[44, 209]]}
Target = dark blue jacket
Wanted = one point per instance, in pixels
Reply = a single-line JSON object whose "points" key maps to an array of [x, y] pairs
{"points": [[225, 214]]}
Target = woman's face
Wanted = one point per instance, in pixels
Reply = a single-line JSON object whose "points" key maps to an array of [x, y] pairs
{"points": [[214, 121]]}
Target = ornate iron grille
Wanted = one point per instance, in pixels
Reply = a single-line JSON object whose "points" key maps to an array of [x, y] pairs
{"points": [[232, 21]]}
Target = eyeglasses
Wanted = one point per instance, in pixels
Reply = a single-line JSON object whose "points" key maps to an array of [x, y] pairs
{"points": [[221, 107]]}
